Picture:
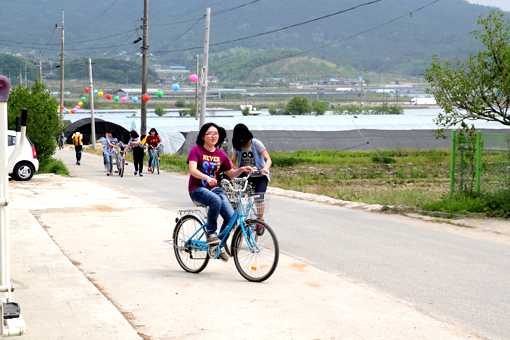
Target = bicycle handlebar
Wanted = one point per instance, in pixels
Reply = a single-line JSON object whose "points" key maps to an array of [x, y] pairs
{"points": [[245, 179]]}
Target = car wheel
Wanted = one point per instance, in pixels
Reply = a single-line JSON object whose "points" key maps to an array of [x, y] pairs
{"points": [[23, 171]]}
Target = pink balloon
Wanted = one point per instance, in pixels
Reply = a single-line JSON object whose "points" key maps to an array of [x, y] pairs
{"points": [[123, 99], [193, 77], [77, 107]]}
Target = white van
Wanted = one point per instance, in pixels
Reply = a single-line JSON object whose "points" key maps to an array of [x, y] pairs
{"points": [[27, 163]]}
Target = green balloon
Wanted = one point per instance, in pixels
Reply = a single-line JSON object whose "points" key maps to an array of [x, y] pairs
{"points": [[83, 99], [159, 94], [116, 98]]}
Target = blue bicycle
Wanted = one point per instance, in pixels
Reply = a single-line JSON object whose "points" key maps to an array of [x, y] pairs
{"points": [[254, 246]]}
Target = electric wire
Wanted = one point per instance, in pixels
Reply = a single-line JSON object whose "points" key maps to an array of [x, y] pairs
{"points": [[100, 15], [189, 29], [195, 10], [284, 28]]}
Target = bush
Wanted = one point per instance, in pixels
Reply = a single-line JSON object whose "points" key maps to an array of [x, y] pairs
{"points": [[43, 121], [272, 110], [246, 111], [52, 166], [496, 205], [383, 160], [159, 111], [181, 102]]}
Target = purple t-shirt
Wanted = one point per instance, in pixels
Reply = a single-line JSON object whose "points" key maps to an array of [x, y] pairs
{"points": [[209, 163]]}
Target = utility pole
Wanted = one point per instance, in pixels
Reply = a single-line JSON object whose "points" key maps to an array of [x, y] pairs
{"points": [[20, 77], [361, 96], [196, 92], [40, 68], [26, 81], [91, 94], [203, 79], [62, 72], [143, 127]]}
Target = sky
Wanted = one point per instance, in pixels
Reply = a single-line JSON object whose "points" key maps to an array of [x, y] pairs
{"points": [[503, 4]]}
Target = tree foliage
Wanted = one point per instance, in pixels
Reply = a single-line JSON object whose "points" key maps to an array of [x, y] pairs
{"points": [[298, 106], [319, 107], [43, 121], [478, 88], [159, 111]]}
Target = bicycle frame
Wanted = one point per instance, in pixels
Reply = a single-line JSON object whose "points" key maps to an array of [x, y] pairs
{"points": [[239, 218]]}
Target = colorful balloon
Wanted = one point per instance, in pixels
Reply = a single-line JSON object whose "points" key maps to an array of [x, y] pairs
{"points": [[123, 99], [108, 96], [58, 107], [87, 89], [100, 93], [134, 99], [77, 107], [80, 103], [146, 98], [193, 77], [175, 87], [96, 91], [83, 99], [72, 111], [159, 94]]}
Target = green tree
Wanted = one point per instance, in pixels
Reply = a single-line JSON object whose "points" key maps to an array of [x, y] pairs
{"points": [[351, 109], [180, 102], [298, 106], [478, 88], [43, 121], [245, 111], [272, 110], [319, 107], [159, 111]]}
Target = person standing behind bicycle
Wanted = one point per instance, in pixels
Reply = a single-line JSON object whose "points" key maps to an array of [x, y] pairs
{"points": [[249, 151], [138, 151], [206, 161], [152, 142], [108, 153]]}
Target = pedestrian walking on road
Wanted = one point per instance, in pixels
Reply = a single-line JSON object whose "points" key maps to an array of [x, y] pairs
{"points": [[206, 161], [77, 139], [138, 151]]}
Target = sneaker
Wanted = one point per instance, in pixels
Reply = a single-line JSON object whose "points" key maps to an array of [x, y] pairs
{"points": [[105, 170], [107, 174], [212, 239], [141, 174], [223, 256], [78, 162], [149, 170], [111, 174], [136, 172], [260, 230]]}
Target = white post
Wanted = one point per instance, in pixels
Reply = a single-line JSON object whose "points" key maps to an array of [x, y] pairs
{"points": [[5, 86], [92, 121], [203, 78]]}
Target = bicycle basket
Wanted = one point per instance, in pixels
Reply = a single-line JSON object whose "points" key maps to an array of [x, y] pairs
{"points": [[253, 203]]}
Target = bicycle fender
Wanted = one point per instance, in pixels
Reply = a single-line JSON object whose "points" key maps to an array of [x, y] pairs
{"points": [[179, 219]]}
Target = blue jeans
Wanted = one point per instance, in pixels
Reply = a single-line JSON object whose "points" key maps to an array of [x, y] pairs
{"points": [[218, 204], [150, 151], [108, 160]]}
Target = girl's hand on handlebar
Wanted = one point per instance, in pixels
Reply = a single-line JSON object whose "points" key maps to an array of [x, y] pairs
{"points": [[247, 169], [212, 181], [264, 171]]}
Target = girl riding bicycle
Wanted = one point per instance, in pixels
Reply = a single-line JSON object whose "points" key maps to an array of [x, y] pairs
{"points": [[206, 162], [152, 142]]}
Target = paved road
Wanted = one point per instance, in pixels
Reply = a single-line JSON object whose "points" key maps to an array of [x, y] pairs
{"points": [[455, 274]]}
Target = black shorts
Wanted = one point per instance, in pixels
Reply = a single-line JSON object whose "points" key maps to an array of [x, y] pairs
{"points": [[258, 182]]}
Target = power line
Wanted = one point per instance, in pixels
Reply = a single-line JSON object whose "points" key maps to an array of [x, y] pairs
{"points": [[195, 10], [218, 13], [284, 28], [100, 15], [182, 34]]}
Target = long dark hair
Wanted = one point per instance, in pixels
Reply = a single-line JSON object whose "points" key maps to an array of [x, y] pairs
{"points": [[241, 136], [134, 134], [153, 129], [203, 130]]}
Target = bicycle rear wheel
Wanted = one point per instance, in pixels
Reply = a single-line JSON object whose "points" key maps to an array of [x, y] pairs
{"points": [[258, 263], [157, 165], [192, 260], [153, 164]]}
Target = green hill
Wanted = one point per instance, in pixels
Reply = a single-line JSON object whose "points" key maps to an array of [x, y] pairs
{"points": [[404, 45]]}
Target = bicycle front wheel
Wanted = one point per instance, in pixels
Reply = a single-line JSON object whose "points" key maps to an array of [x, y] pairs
{"points": [[157, 165], [190, 258], [122, 166], [255, 256]]}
